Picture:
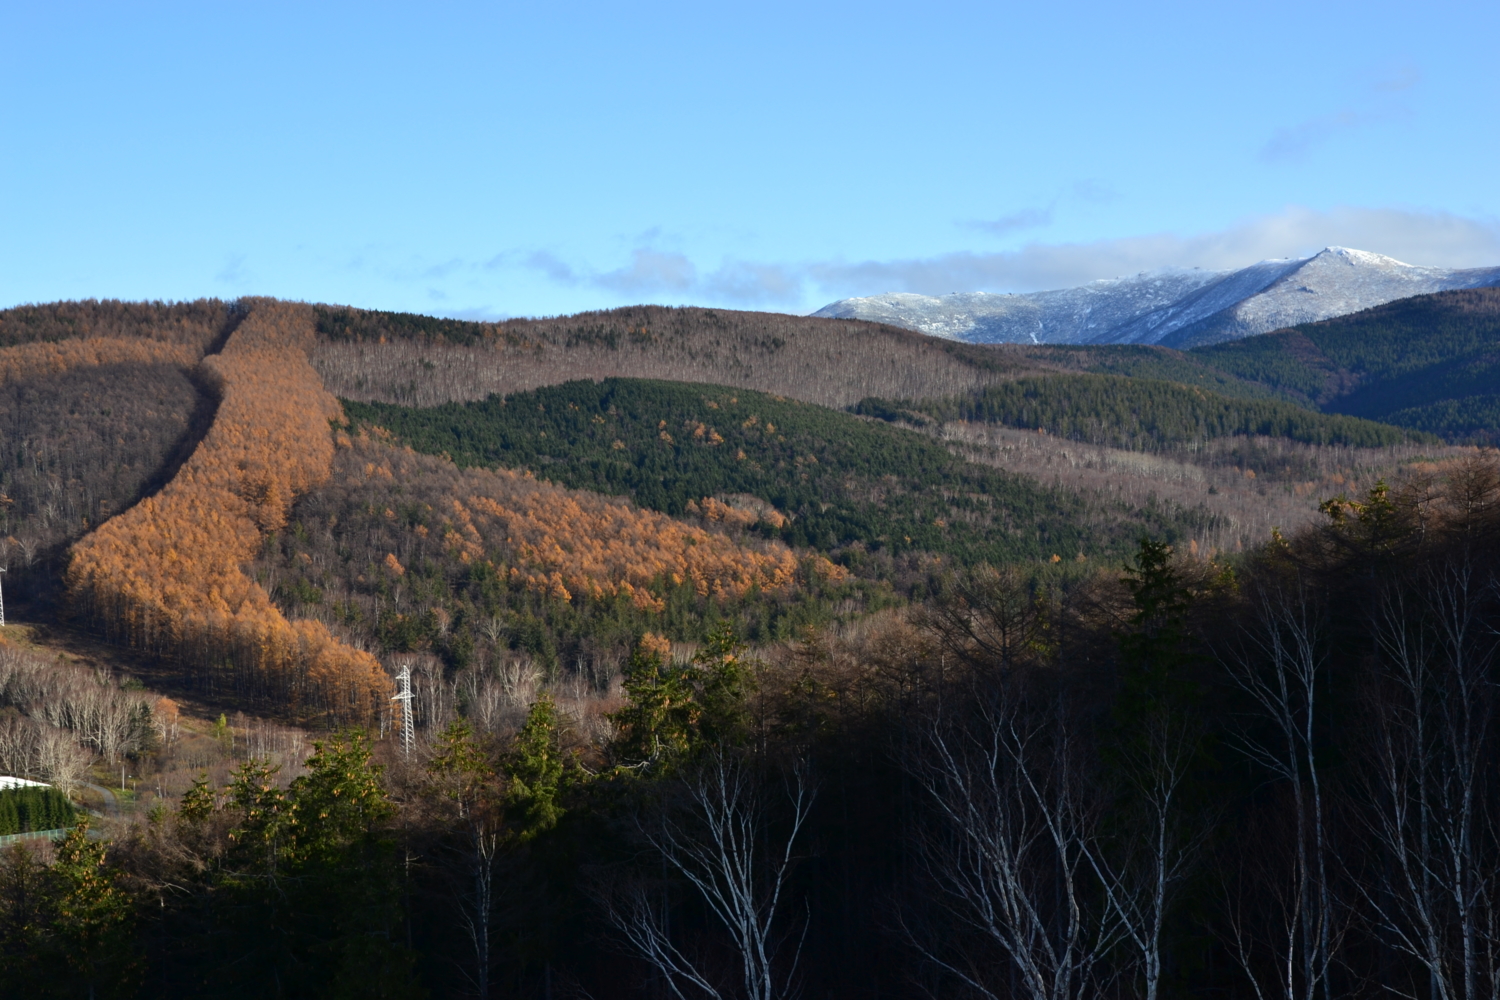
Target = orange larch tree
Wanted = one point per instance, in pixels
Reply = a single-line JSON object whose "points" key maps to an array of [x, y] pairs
{"points": [[166, 576]]}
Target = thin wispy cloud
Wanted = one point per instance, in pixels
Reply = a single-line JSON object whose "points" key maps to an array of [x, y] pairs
{"points": [[555, 268], [650, 271], [1294, 142], [653, 272], [444, 269], [1087, 191], [755, 284], [233, 272], [477, 314], [1029, 218], [1379, 103]]}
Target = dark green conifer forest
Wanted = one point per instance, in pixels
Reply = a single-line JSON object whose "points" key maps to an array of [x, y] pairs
{"points": [[28, 809], [841, 481], [1428, 362], [1145, 414]]}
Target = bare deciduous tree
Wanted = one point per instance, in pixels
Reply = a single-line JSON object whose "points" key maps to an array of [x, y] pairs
{"points": [[67, 705], [990, 616], [18, 739], [496, 696], [1012, 857], [721, 841], [60, 760], [477, 905], [1142, 867], [1280, 663], [1427, 812]]}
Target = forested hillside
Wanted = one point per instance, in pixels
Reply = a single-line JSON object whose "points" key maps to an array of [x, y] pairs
{"points": [[406, 553], [1107, 411], [1222, 760], [165, 576], [839, 484], [98, 407], [1140, 413], [1145, 361], [82, 441], [417, 360], [1431, 363], [198, 324]]}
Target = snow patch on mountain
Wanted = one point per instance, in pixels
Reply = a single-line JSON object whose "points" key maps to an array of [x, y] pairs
{"points": [[1177, 307]]}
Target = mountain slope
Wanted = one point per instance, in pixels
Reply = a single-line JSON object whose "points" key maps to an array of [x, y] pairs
{"points": [[836, 481], [1430, 362], [198, 323], [409, 553], [80, 446], [1139, 361], [422, 361], [1138, 413], [1175, 307]]}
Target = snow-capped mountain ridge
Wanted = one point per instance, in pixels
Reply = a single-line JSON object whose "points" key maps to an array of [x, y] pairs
{"points": [[1177, 307]]}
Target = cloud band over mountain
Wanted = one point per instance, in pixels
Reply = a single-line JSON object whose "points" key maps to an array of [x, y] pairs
{"points": [[1440, 239]]}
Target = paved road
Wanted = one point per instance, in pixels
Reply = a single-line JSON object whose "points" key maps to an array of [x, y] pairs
{"points": [[111, 805]]}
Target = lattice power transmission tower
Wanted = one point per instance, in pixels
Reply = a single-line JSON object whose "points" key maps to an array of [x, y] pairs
{"points": [[2, 597], [404, 696]]}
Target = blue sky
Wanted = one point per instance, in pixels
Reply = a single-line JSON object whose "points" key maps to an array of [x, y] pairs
{"points": [[493, 159]]}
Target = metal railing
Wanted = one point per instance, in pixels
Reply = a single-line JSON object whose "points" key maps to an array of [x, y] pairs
{"points": [[15, 838]]}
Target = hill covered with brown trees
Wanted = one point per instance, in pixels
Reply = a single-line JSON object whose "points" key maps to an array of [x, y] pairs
{"points": [[397, 358]]}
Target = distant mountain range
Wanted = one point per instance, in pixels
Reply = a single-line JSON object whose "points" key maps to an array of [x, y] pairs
{"points": [[1427, 363], [1177, 307]]}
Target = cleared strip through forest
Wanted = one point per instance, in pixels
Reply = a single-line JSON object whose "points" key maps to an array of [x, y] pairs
{"points": [[167, 577]]}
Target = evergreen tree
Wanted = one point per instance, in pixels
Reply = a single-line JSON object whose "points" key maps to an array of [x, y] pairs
{"points": [[656, 726], [1154, 651], [94, 921], [539, 770]]}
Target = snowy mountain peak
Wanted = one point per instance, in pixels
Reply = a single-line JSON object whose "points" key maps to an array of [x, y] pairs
{"points": [[1356, 258], [1177, 307]]}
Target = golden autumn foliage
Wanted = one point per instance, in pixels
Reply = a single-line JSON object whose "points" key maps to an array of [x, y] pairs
{"points": [[47, 358], [166, 575], [826, 569], [741, 513], [652, 644], [714, 509], [564, 543]]}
